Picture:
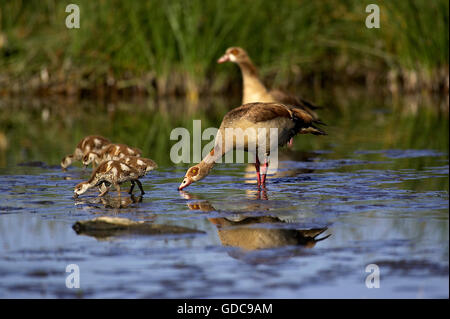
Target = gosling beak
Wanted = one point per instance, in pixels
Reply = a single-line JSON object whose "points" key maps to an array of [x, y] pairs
{"points": [[223, 58], [185, 183]]}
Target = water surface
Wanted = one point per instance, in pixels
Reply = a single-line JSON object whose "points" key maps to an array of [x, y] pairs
{"points": [[374, 191]]}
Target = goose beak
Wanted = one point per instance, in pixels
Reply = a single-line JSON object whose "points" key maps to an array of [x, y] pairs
{"points": [[223, 58], [185, 183]]}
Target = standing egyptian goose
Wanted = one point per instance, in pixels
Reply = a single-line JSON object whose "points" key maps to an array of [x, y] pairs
{"points": [[110, 152], [253, 88], [91, 143], [112, 173], [287, 120]]}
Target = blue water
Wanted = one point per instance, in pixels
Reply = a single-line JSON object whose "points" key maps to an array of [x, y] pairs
{"points": [[248, 245]]}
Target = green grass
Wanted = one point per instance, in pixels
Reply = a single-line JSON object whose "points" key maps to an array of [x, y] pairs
{"points": [[169, 47]]}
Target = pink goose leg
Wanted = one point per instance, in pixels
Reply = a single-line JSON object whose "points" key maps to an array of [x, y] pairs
{"points": [[264, 172], [291, 142], [257, 164]]}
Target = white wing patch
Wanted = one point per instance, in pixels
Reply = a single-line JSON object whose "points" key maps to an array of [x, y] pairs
{"points": [[124, 167]]}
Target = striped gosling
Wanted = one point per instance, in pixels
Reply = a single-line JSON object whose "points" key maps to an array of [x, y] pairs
{"points": [[110, 173], [111, 152]]}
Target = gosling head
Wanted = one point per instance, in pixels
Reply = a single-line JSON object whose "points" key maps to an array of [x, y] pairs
{"points": [[193, 174], [235, 55], [66, 161], [89, 158], [81, 188]]}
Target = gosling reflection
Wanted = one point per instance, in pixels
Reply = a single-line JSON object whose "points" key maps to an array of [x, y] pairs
{"points": [[110, 201]]}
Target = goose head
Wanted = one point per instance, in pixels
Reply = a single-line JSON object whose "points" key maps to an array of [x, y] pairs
{"points": [[235, 55]]}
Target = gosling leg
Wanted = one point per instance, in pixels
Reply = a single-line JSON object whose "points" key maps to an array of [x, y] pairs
{"points": [[118, 189], [103, 189], [140, 187], [131, 188]]}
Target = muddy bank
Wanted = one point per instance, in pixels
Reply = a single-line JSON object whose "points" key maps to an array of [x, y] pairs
{"points": [[79, 84]]}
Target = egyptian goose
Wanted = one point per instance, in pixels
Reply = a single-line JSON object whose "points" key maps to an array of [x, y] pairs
{"points": [[244, 232], [287, 120], [91, 143], [110, 152], [112, 173], [253, 88]]}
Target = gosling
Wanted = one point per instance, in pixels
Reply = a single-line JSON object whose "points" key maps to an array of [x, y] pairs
{"points": [[141, 164], [110, 152], [110, 173], [91, 143]]}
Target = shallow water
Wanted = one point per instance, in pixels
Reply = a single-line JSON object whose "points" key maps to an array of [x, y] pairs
{"points": [[381, 197]]}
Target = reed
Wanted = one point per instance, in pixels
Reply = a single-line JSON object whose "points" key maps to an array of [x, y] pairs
{"points": [[170, 47]]}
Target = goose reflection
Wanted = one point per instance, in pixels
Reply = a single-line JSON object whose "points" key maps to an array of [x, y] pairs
{"points": [[246, 234], [256, 232], [252, 203]]}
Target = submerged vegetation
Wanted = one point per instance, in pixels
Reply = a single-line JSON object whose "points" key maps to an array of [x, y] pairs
{"points": [[170, 47]]}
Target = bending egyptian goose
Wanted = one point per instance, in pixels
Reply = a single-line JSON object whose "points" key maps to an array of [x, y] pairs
{"points": [[91, 143], [287, 120], [253, 88], [110, 152], [112, 173]]}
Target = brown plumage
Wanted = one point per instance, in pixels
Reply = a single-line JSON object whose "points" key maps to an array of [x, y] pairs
{"points": [[110, 152], [91, 143], [287, 121], [253, 88], [112, 173], [141, 164]]}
